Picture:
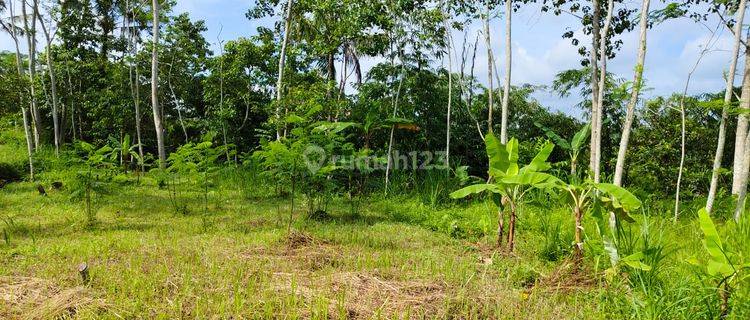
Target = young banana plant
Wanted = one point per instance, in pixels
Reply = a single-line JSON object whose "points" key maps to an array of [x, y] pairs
{"points": [[586, 195], [722, 266], [509, 182], [572, 147]]}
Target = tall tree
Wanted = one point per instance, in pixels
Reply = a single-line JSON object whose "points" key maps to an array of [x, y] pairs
{"points": [[739, 18], [155, 87], [489, 66], [449, 43], [637, 83], [133, 37], [282, 60], [739, 170], [508, 67], [596, 109], [12, 29], [29, 26], [49, 36]]}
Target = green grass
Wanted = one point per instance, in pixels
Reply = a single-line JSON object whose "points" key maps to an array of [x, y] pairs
{"points": [[402, 256]]}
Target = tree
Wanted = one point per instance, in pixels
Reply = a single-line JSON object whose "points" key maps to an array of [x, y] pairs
{"points": [[637, 84], [133, 34], [490, 63], [29, 28], [282, 59], [14, 31], [49, 35], [508, 67], [155, 87], [740, 18]]}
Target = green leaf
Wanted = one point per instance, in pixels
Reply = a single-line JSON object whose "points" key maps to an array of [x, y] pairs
{"points": [[711, 239], [334, 127], [718, 268], [539, 163], [628, 200], [497, 153], [472, 189], [580, 137], [532, 178], [635, 261], [512, 149], [558, 140], [293, 118]]}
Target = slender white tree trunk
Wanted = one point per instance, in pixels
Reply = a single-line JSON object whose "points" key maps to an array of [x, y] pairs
{"points": [[602, 87], [706, 49], [595, 108], [742, 192], [53, 83], [450, 92], [134, 85], [155, 87], [739, 18], [282, 60], [389, 162], [24, 113], [637, 83], [739, 168], [30, 31], [489, 68], [508, 64]]}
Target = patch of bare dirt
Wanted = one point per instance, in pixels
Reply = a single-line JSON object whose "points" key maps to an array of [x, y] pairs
{"points": [[365, 295], [566, 278], [34, 298]]}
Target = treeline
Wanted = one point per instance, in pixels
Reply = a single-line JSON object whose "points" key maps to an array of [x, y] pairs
{"points": [[110, 70]]}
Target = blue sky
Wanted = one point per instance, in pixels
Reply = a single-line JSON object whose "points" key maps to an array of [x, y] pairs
{"points": [[539, 52]]}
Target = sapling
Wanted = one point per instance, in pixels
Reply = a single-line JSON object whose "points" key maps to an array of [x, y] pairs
{"points": [[724, 267], [509, 183], [582, 196], [126, 150], [572, 147], [197, 159], [92, 180]]}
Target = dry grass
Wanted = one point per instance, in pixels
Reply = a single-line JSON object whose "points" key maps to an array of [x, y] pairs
{"points": [[34, 298]]}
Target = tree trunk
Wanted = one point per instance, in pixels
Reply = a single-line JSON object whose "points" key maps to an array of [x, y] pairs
{"points": [[53, 85], [31, 42], [602, 88], [637, 83], [578, 236], [512, 227], [500, 225], [155, 87], [450, 95], [595, 108], [26, 126], [742, 194], [135, 91], [740, 18], [489, 68], [508, 62], [739, 167], [282, 60], [389, 162]]}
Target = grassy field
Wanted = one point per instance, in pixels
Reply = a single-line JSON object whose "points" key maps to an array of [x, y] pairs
{"points": [[232, 254]]}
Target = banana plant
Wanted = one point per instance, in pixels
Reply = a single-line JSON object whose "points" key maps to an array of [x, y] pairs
{"points": [[583, 196], [723, 266], [572, 147], [125, 149], [509, 183]]}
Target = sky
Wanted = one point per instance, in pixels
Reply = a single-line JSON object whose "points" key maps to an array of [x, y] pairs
{"points": [[539, 52]]}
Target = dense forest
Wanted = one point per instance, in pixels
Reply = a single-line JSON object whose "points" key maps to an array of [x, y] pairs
{"points": [[347, 161]]}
